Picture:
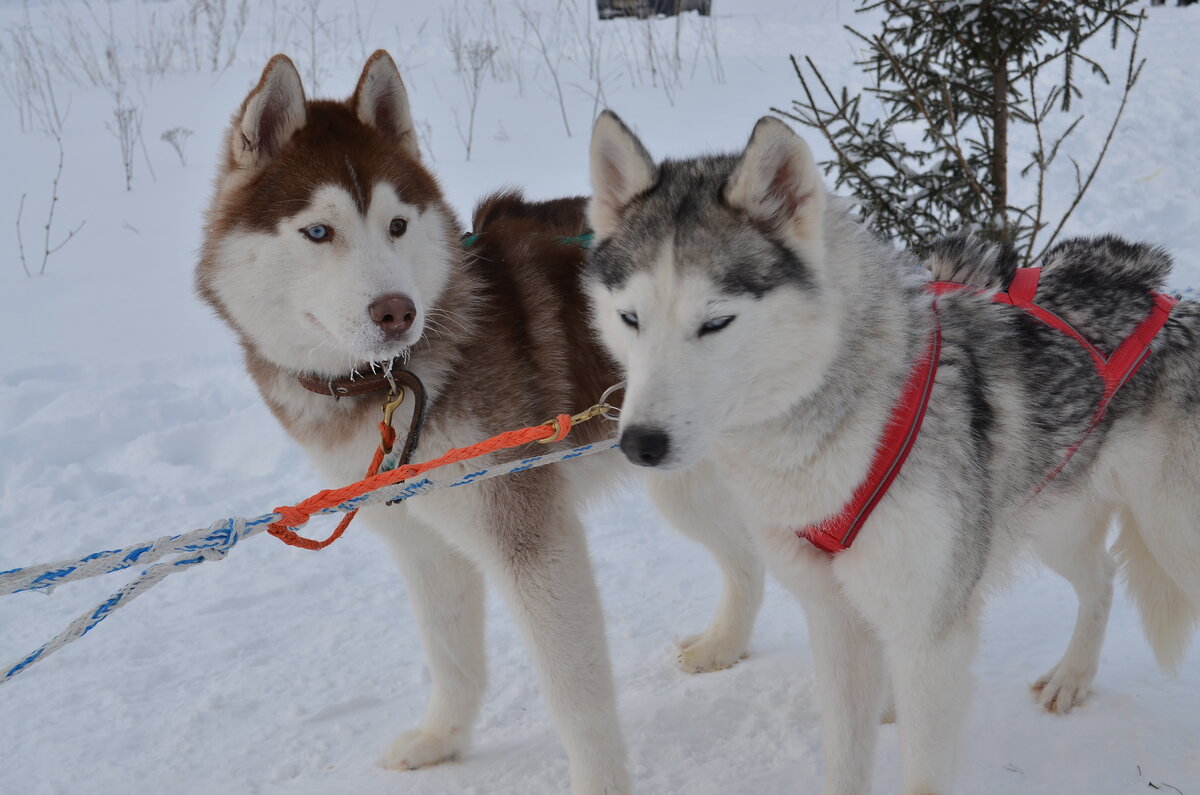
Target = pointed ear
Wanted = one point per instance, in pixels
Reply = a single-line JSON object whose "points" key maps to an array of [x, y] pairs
{"points": [[381, 102], [777, 182], [271, 114], [621, 169]]}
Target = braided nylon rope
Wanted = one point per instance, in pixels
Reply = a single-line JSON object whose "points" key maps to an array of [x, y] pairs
{"points": [[213, 543]]}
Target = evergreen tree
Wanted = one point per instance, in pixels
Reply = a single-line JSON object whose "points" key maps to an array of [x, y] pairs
{"points": [[963, 72]]}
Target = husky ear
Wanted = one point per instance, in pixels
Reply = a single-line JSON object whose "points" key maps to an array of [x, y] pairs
{"points": [[381, 102], [777, 182], [271, 114], [621, 169]]}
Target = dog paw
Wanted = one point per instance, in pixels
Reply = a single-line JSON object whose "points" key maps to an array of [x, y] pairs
{"points": [[699, 654], [1061, 689], [418, 748]]}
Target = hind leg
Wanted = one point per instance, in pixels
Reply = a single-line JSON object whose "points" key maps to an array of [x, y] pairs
{"points": [[446, 592], [698, 504], [1073, 545]]}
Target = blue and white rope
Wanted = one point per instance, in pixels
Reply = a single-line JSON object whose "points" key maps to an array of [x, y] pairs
{"points": [[212, 543]]}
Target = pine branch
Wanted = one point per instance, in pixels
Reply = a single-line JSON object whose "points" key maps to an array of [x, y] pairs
{"points": [[916, 98], [878, 199]]}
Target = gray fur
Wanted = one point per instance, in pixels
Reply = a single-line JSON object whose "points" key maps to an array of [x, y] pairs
{"points": [[690, 193], [1011, 398], [966, 259]]}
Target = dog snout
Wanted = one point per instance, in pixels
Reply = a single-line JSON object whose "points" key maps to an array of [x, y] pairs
{"points": [[394, 314], [645, 447]]}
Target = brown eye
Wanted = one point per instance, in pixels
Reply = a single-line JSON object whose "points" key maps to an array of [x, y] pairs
{"points": [[399, 227]]}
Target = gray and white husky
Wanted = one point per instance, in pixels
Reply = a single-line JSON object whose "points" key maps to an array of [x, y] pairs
{"points": [[329, 247], [765, 338]]}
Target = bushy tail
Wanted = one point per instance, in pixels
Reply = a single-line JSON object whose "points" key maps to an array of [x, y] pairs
{"points": [[1168, 616], [963, 258]]}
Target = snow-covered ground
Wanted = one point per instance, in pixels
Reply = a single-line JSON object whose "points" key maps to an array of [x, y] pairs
{"points": [[125, 415]]}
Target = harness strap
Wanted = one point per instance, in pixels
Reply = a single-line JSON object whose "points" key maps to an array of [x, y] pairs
{"points": [[1116, 370], [837, 532]]}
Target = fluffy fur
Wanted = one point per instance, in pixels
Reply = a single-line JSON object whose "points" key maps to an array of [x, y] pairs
{"points": [[324, 208], [766, 335]]}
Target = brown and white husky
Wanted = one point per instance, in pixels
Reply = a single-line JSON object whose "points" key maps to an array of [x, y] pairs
{"points": [[328, 248]]}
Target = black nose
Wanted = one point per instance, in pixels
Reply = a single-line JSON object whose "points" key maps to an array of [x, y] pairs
{"points": [[394, 314], [645, 447]]}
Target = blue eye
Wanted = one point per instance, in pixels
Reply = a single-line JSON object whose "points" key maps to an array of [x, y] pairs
{"points": [[629, 318], [318, 233], [716, 324]]}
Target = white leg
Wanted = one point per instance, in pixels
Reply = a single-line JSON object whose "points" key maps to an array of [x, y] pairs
{"points": [[1073, 546], [446, 591], [698, 504], [849, 664], [535, 552], [931, 677]]}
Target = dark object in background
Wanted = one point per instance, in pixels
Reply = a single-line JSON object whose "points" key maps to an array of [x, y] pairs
{"points": [[1180, 3], [646, 8]]}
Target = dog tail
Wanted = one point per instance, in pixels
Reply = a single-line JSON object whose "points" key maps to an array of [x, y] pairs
{"points": [[963, 258], [1083, 262], [1168, 616]]}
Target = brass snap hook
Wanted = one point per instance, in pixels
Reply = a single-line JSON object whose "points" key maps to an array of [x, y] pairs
{"points": [[395, 398]]}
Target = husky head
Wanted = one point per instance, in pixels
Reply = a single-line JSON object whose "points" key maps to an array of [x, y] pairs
{"points": [[708, 283], [327, 242]]}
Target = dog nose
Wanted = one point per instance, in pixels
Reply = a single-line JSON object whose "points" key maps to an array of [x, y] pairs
{"points": [[645, 447], [394, 314]]}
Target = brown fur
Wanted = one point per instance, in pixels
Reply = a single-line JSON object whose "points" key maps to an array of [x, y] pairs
{"points": [[526, 352], [506, 344]]}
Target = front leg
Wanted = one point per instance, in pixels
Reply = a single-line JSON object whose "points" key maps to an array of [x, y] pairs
{"points": [[932, 684], [447, 597], [848, 659], [850, 683], [699, 505], [532, 547]]}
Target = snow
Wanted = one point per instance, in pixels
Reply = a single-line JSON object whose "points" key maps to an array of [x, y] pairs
{"points": [[125, 414]]}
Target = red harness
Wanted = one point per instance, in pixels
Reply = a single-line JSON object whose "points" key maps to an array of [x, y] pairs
{"points": [[837, 532]]}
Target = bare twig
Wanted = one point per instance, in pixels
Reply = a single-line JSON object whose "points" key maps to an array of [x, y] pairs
{"points": [[20, 242], [1133, 71], [533, 21], [47, 249], [177, 138]]}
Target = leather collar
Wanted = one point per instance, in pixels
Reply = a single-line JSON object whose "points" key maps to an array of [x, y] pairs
{"points": [[355, 385], [389, 382]]}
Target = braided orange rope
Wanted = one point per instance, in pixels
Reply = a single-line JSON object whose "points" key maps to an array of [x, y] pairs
{"points": [[297, 515]]}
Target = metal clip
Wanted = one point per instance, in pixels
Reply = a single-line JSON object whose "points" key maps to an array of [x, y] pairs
{"points": [[608, 412], [395, 398]]}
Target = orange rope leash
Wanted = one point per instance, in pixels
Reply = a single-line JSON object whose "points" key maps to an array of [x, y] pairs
{"points": [[297, 515]]}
